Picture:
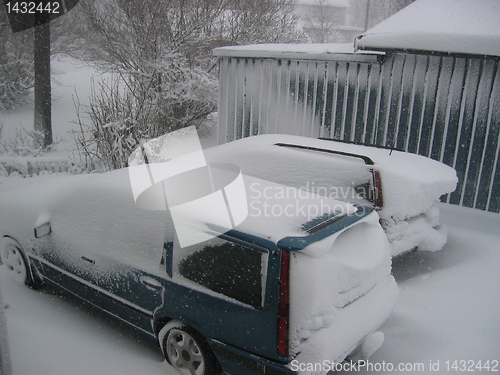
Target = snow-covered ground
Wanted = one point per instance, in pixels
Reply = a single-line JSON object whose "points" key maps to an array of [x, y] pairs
{"points": [[71, 83], [448, 310]]}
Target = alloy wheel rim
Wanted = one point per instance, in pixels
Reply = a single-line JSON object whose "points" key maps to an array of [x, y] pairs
{"points": [[13, 259], [184, 353]]}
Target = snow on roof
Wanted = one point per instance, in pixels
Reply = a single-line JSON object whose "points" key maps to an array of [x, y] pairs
{"points": [[453, 26], [324, 51]]}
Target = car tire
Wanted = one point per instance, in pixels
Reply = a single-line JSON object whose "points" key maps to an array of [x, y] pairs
{"points": [[13, 257], [187, 351]]}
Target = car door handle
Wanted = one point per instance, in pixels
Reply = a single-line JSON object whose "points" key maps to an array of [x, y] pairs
{"points": [[151, 283], [91, 261]]}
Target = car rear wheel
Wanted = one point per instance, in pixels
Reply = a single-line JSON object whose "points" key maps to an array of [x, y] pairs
{"points": [[187, 351], [14, 259]]}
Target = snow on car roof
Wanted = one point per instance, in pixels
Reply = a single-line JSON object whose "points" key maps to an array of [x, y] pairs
{"points": [[411, 183], [276, 211], [452, 26], [93, 210]]}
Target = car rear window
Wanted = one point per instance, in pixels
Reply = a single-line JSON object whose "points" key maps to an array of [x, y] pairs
{"points": [[228, 268]]}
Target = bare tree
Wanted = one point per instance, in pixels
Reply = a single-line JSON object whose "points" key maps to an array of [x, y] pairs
{"points": [[320, 21], [260, 21], [43, 96], [379, 10], [25, 65]]}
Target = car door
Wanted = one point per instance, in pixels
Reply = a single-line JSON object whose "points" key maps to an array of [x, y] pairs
{"points": [[108, 255], [128, 288], [226, 288]]}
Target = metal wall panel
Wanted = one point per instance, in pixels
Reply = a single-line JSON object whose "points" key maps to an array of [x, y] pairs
{"points": [[441, 106]]}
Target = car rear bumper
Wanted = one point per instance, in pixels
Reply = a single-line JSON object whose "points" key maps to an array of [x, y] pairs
{"points": [[352, 326], [380, 301]]}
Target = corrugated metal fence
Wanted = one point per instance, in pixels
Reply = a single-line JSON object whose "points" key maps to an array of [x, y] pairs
{"points": [[445, 107]]}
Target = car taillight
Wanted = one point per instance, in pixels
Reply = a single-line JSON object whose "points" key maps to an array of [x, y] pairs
{"points": [[284, 304], [377, 186]]}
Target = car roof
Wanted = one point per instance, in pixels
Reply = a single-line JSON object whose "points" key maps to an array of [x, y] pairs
{"points": [[408, 165], [368, 153]]}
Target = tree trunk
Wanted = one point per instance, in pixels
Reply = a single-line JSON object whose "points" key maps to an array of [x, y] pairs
{"points": [[43, 101]]}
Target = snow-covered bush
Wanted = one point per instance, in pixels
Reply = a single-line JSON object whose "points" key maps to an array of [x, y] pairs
{"points": [[23, 156], [16, 81], [16, 66], [24, 143], [160, 54], [128, 109], [260, 21]]}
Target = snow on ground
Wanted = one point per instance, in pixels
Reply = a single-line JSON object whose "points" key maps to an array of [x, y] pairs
{"points": [[448, 310], [71, 80], [448, 307], [449, 304]]}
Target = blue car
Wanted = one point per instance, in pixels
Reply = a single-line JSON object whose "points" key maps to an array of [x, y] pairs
{"points": [[303, 282]]}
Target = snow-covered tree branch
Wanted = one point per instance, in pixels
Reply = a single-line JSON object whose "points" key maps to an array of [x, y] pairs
{"points": [[160, 54]]}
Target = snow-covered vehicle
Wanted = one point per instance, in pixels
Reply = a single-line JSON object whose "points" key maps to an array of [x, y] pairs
{"points": [[303, 280], [404, 188]]}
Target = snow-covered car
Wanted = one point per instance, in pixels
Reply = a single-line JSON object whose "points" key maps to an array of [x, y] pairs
{"points": [[303, 281], [403, 187]]}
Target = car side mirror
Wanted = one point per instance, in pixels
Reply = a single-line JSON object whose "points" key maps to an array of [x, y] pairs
{"points": [[43, 230]]}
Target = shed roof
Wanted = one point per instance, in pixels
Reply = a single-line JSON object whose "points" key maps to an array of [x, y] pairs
{"points": [[314, 51], [450, 26]]}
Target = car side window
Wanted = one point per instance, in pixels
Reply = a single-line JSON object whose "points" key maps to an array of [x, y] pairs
{"points": [[229, 269]]}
